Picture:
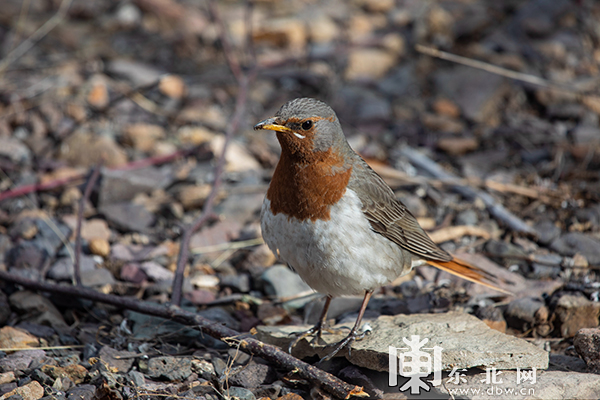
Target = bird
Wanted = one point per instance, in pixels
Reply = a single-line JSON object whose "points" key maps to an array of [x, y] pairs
{"points": [[335, 221]]}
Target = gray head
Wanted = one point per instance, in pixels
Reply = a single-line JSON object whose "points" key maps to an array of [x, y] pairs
{"points": [[306, 126]]}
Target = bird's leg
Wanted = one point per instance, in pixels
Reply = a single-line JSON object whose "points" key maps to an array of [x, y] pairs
{"points": [[354, 333], [315, 330]]}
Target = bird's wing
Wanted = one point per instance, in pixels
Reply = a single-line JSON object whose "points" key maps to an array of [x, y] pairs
{"points": [[389, 217]]}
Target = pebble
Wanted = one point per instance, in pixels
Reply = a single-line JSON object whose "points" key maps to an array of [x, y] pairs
{"points": [[123, 185], [172, 86], [128, 217], [143, 137], [573, 313], [97, 277], [31, 391], [120, 360], [99, 246], [64, 269], [15, 338], [587, 344], [253, 375], [168, 368], [132, 272], [572, 243], [368, 63], [156, 272], [528, 313], [280, 281]]}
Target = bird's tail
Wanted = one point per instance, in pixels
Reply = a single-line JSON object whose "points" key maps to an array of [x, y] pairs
{"points": [[469, 272]]}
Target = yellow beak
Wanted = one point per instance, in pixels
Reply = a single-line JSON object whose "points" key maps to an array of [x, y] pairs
{"points": [[271, 125]]}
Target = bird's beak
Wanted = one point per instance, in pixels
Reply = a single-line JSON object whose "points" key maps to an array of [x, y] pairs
{"points": [[271, 125]]}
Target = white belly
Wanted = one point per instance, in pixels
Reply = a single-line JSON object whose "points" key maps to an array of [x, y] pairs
{"points": [[342, 256]]}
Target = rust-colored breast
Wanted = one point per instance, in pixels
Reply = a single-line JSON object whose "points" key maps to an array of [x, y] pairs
{"points": [[306, 191]]}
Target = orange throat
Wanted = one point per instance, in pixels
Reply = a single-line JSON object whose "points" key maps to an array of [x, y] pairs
{"points": [[306, 190]]}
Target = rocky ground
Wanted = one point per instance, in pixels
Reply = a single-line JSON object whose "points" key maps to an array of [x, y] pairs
{"points": [[497, 152]]}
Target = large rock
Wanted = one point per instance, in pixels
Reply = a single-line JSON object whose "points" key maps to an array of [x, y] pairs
{"points": [[577, 242], [465, 340]]}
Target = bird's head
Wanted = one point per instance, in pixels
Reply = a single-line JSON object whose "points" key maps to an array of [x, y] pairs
{"points": [[306, 128]]}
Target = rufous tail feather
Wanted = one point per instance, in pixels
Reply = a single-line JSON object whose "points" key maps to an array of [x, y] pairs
{"points": [[469, 272]]}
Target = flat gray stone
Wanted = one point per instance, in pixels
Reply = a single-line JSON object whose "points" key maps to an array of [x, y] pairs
{"points": [[548, 385], [465, 340], [280, 281]]}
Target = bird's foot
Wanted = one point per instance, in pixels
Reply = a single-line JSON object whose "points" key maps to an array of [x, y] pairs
{"points": [[354, 335], [315, 331]]}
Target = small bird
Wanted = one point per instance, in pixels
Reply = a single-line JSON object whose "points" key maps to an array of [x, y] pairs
{"points": [[334, 221]]}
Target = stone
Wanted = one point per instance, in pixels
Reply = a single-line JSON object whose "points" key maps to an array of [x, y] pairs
{"points": [[282, 32], [99, 246], [219, 314], [485, 348], [253, 375], [143, 136], [15, 338], [467, 217], [7, 377], [573, 313], [240, 393], [137, 73], [548, 385], [528, 313], [21, 360], [572, 243], [38, 308], [477, 93], [97, 277], [86, 149], [237, 157], [280, 281], [322, 29], [14, 150], [239, 282], [156, 272], [64, 269], [121, 360], [132, 272], [32, 391], [27, 254], [169, 368], [172, 86], [200, 297], [457, 146], [547, 231], [123, 185], [128, 216], [368, 63], [4, 308], [82, 392], [587, 345]]}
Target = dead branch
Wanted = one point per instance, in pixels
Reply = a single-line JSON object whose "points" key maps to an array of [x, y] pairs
{"points": [[246, 342], [496, 209], [86, 195], [244, 79]]}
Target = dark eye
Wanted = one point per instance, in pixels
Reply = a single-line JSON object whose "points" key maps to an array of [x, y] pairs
{"points": [[306, 125]]}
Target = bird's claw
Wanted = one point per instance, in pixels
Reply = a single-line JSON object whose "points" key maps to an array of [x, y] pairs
{"points": [[347, 342], [315, 330]]}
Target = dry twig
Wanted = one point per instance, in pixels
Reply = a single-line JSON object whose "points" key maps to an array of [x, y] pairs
{"points": [[244, 79], [495, 208], [246, 342], [86, 195]]}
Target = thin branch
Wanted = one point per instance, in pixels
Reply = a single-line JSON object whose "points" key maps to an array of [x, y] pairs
{"points": [[184, 247], [244, 79], [86, 195], [133, 165], [246, 342], [496, 209], [31, 41]]}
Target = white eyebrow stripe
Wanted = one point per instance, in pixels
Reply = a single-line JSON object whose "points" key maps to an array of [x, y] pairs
{"points": [[299, 136]]}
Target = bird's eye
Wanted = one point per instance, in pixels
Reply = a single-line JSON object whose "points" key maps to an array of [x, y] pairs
{"points": [[306, 125]]}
